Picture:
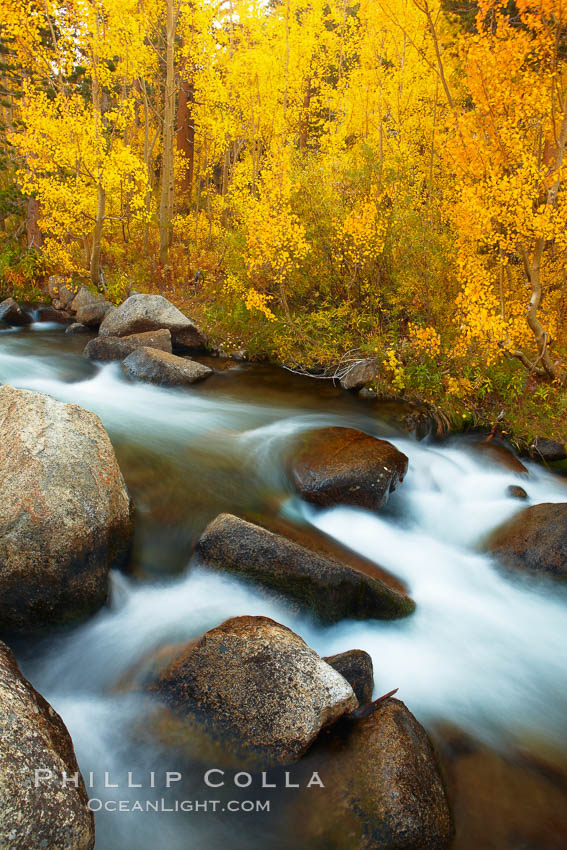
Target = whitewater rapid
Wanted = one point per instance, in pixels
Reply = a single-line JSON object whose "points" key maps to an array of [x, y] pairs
{"points": [[484, 651]]}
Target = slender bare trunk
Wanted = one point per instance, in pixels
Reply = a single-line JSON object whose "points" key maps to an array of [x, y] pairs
{"points": [[100, 192], [186, 134], [34, 236], [167, 178], [97, 234], [305, 117]]}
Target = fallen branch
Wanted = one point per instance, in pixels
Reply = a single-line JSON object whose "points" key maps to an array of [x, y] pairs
{"points": [[333, 373], [366, 710]]}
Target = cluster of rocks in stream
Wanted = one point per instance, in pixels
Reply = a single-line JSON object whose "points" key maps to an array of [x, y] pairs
{"points": [[250, 691], [249, 694]]}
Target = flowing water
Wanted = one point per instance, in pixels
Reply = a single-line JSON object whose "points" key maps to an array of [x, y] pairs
{"points": [[483, 652]]}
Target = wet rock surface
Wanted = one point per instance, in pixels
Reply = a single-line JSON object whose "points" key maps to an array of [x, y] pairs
{"points": [[356, 667], [160, 367], [343, 466], [12, 313], [119, 347], [502, 800], [323, 586], [64, 512], [534, 541], [50, 314], [255, 689], [498, 453], [35, 738], [513, 491], [383, 787]]}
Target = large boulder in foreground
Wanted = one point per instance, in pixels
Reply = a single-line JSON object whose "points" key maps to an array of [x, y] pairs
{"points": [[355, 665], [322, 585], [141, 313], [64, 512], [534, 541], [344, 466], [164, 369], [255, 689], [12, 313], [119, 347], [34, 738], [383, 787]]}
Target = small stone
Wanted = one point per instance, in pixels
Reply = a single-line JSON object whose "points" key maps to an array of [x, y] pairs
{"points": [[356, 667], [77, 328], [516, 492]]}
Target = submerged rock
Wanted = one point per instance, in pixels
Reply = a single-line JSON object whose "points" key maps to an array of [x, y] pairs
{"points": [[501, 455], [43, 814], [119, 347], [383, 787], [12, 313], [160, 367], [343, 466], [359, 374], [516, 492], [534, 541], [356, 667], [256, 690], [150, 313], [64, 512], [322, 585], [504, 800], [77, 328]]}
